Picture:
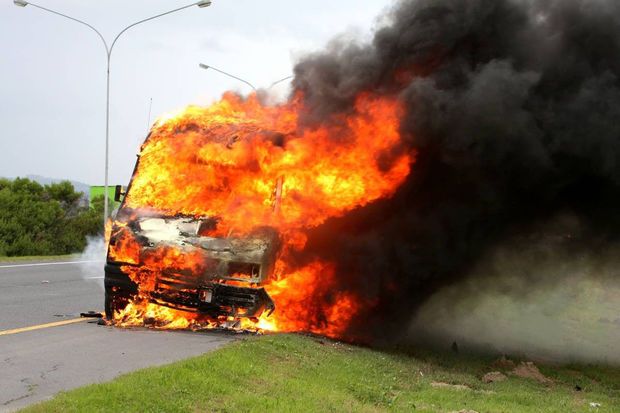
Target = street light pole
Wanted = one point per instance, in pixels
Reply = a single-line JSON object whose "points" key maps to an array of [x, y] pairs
{"points": [[108, 50], [205, 66], [279, 81]]}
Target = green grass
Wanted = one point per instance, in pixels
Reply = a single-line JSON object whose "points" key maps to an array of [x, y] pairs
{"points": [[40, 258], [295, 373]]}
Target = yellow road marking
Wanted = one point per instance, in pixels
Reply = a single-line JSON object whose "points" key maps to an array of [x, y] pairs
{"points": [[40, 326]]}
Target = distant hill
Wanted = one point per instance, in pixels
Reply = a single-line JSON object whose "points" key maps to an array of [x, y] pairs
{"points": [[44, 180]]}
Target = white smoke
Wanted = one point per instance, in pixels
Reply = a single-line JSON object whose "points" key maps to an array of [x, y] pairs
{"points": [[542, 298], [92, 260]]}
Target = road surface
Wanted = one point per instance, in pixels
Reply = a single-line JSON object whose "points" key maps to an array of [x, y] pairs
{"points": [[45, 347]]}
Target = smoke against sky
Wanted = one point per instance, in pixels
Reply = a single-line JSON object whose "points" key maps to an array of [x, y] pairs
{"points": [[512, 108]]}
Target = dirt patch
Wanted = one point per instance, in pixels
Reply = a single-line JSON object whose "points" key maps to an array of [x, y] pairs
{"points": [[441, 385], [504, 364], [528, 370], [493, 377]]}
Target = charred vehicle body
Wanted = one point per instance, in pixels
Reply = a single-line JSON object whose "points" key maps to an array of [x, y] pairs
{"points": [[219, 275]]}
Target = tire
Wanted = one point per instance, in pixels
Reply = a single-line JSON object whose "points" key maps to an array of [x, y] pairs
{"points": [[114, 302]]}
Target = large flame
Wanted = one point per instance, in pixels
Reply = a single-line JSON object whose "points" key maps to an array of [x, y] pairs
{"points": [[224, 160]]}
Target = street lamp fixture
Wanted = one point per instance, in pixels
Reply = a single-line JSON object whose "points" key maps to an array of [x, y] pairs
{"points": [[280, 81], [108, 50], [204, 66]]}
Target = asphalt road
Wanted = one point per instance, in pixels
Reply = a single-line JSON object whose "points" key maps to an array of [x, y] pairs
{"points": [[37, 363]]}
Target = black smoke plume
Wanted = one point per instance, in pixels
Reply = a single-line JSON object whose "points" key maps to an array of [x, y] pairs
{"points": [[513, 108]]}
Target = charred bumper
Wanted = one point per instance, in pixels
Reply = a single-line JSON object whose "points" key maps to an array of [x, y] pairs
{"points": [[216, 300], [183, 293]]}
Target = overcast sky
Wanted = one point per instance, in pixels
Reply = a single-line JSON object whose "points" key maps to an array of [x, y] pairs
{"points": [[52, 71]]}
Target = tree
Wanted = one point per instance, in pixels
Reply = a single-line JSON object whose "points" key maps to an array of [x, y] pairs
{"points": [[44, 220]]}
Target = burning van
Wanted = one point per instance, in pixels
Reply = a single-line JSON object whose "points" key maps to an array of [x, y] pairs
{"points": [[212, 229], [187, 263]]}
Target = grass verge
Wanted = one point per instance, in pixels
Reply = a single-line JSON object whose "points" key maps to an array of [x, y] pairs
{"points": [[290, 372], [39, 258]]}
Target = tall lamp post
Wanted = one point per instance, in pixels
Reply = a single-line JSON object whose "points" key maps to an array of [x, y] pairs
{"points": [[279, 81], [206, 67], [22, 3]]}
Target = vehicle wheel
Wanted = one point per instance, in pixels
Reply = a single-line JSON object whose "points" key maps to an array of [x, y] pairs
{"points": [[114, 302]]}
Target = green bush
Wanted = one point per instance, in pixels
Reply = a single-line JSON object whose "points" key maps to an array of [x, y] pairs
{"points": [[45, 220]]}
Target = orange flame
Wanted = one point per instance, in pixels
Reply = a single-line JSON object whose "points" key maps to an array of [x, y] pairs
{"points": [[223, 160]]}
